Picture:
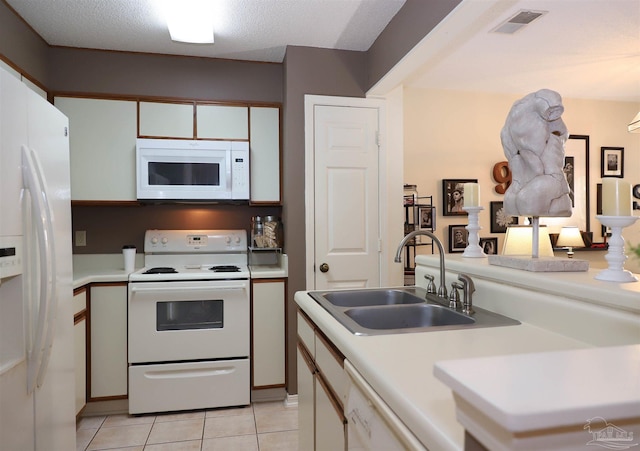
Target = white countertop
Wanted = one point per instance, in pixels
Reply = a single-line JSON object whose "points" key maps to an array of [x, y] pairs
{"points": [[92, 268], [580, 285], [400, 367], [271, 271], [561, 314], [549, 390]]}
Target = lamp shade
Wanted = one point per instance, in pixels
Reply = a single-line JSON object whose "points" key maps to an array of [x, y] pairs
{"points": [[519, 241], [570, 236]]}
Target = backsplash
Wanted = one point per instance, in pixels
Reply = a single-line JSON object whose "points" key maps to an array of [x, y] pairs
{"points": [[109, 228]]}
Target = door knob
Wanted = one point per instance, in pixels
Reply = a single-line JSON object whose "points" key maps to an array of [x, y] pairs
{"points": [[324, 267]]}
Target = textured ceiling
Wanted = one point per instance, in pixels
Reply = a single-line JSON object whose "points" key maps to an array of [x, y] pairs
{"points": [[257, 30], [580, 48]]}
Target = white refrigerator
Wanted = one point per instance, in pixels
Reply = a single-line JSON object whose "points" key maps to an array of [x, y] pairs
{"points": [[37, 409]]}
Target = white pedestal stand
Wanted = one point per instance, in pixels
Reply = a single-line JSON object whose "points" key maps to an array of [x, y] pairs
{"points": [[616, 256], [473, 249]]}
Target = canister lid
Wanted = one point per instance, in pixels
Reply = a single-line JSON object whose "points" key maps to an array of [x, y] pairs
{"points": [[129, 246]]}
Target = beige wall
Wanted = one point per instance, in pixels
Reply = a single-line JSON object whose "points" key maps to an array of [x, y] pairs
{"points": [[451, 134]]}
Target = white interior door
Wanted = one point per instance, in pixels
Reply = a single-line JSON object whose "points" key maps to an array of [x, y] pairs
{"points": [[346, 197]]}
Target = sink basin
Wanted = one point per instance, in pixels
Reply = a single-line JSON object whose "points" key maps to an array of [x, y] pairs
{"points": [[361, 298], [410, 316], [378, 311]]}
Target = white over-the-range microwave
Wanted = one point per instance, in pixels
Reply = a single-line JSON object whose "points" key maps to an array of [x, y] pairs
{"points": [[190, 170]]}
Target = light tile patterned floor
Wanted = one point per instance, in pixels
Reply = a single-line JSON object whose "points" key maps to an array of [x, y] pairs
{"points": [[260, 427]]}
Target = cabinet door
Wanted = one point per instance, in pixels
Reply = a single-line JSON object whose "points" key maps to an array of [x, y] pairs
{"points": [[330, 424], [108, 329], [222, 122], [306, 397], [80, 346], [166, 120], [102, 143], [268, 332], [265, 154]]}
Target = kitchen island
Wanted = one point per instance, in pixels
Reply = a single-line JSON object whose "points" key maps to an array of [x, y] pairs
{"points": [[557, 312]]}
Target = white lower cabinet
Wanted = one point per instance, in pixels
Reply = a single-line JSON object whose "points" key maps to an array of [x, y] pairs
{"points": [[306, 396], [321, 421], [372, 425], [80, 347], [108, 331], [268, 334]]}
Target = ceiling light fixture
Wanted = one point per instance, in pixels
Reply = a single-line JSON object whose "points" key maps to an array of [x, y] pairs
{"points": [[190, 21], [634, 125]]}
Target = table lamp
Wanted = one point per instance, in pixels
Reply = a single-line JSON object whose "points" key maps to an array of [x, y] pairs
{"points": [[570, 237], [519, 241]]}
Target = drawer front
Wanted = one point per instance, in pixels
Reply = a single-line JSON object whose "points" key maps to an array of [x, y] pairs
{"points": [[186, 386], [331, 367], [79, 302], [306, 334]]}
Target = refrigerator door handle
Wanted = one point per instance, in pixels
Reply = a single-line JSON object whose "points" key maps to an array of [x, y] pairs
{"points": [[39, 353]]}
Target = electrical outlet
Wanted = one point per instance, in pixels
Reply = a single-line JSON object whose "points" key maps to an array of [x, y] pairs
{"points": [[81, 237]]}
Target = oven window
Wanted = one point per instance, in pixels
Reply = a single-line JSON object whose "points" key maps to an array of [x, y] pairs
{"points": [[188, 315], [187, 174]]}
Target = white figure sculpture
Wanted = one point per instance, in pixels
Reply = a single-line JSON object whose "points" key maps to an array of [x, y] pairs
{"points": [[533, 139]]}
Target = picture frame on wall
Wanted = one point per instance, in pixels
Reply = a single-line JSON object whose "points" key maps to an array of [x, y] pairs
{"points": [[453, 196], [427, 218], [612, 162], [499, 219], [489, 245], [458, 238], [576, 171]]}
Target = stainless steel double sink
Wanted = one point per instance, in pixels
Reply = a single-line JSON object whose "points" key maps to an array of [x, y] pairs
{"points": [[381, 311]]}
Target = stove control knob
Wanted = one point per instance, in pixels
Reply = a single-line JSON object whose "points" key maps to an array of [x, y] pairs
{"points": [[237, 239], [154, 240], [227, 239], [165, 240]]}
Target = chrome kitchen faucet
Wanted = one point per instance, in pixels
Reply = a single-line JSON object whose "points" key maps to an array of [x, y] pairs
{"points": [[442, 289]]}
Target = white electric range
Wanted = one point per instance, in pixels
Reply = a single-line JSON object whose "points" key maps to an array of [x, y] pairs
{"points": [[189, 322]]}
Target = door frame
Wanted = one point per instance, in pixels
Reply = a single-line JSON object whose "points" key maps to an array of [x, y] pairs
{"points": [[310, 102]]}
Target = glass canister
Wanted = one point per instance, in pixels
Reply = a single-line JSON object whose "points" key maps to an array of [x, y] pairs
{"points": [[410, 195], [257, 232], [273, 232]]}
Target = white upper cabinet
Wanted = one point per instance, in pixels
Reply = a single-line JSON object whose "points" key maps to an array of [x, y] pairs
{"points": [[222, 122], [166, 120], [102, 141], [265, 154]]}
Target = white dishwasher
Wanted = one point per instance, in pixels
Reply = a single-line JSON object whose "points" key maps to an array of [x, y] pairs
{"points": [[371, 424]]}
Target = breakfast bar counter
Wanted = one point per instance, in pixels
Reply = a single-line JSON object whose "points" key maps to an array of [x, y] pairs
{"points": [[555, 318]]}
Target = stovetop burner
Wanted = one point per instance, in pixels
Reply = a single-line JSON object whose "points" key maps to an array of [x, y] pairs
{"points": [[225, 268], [161, 270]]}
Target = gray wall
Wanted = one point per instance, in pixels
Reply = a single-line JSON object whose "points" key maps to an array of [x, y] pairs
{"points": [[413, 22], [136, 74], [307, 71], [21, 47]]}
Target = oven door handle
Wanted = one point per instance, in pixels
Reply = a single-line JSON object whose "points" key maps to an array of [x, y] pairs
{"points": [[227, 288]]}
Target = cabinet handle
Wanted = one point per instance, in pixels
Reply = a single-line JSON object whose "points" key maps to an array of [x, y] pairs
{"points": [[324, 267]]}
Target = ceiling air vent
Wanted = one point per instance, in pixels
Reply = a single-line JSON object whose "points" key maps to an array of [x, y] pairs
{"points": [[515, 23]]}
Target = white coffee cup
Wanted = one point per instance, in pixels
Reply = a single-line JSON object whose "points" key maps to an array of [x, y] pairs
{"points": [[129, 253]]}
